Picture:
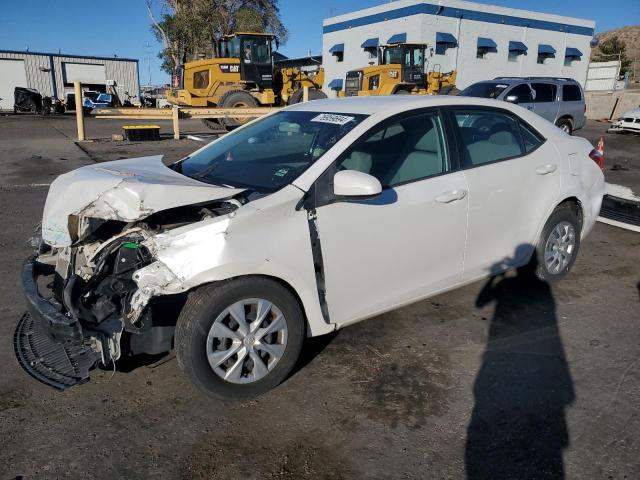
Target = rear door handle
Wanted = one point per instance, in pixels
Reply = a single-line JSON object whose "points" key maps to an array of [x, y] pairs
{"points": [[451, 196], [545, 169]]}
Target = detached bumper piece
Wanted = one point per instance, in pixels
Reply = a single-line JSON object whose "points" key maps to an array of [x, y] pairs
{"points": [[621, 210], [48, 344], [54, 364]]}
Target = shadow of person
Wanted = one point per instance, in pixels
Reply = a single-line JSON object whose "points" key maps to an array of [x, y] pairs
{"points": [[518, 428]]}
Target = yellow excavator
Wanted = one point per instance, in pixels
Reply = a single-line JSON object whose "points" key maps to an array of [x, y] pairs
{"points": [[400, 71], [244, 77]]}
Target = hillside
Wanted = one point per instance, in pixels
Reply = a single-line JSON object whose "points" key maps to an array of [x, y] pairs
{"points": [[629, 35]]}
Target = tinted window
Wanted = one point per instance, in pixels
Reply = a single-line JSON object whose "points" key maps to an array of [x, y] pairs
{"points": [[545, 92], [530, 139], [523, 92], [487, 136], [484, 90], [406, 150], [571, 93]]}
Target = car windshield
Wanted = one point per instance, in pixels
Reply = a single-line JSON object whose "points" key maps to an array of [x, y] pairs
{"points": [[270, 153], [484, 90]]}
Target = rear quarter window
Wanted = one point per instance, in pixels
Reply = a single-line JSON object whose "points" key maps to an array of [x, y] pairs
{"points": [[571, 93]]}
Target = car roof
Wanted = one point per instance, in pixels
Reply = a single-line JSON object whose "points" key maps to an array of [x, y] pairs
{"points": [[512, 80], [388, 103]]}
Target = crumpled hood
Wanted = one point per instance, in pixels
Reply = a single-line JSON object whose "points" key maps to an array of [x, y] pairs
{"points": [[125, 190]]}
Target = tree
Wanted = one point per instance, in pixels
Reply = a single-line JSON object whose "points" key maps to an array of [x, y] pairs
{"points": [[609, 50], [189, 29]]}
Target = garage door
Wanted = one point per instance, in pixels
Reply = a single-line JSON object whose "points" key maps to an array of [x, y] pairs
{"points": [[84, 72], [12, 74]]}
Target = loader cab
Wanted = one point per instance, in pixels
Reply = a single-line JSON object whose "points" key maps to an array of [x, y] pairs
{"points": [[410, 57], [254, 51]]}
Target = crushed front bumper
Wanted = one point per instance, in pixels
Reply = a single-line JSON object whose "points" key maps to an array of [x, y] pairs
{"points": [[49, 344]]}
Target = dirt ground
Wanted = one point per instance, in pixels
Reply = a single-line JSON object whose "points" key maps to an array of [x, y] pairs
{"points": [[500, 379]]}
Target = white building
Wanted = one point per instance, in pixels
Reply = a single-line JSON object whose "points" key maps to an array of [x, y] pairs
{"points": [[479, 41], [53, 74]]}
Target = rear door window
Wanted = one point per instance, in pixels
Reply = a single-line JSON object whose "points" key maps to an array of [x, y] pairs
{"points": [[487, 136], [545, 92], [571, 93]]}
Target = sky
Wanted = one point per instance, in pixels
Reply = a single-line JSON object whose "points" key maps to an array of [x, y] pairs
{"points": [[121, 27]]}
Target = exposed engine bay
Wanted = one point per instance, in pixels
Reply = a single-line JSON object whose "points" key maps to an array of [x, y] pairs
{"points": [[84, 287], [93, 278]]}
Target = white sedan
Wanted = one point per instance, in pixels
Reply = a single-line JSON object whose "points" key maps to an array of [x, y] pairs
{"points": [[302, 222]]}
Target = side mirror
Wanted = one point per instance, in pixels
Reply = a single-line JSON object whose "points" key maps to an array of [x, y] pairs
{"points": [[351, 183], [511, 99]]}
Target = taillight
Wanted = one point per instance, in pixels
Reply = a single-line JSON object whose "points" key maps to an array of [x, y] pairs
{"points": [[598, 157]]}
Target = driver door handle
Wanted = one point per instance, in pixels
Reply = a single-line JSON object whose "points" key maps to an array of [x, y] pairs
{"points": [[451, 196], [545, 169]]}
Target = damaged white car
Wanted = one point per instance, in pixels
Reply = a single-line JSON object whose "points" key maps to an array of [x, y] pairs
{"points": [[628, 122], [297, 224]]}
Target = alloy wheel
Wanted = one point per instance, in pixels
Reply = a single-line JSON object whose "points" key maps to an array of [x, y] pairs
{"points": [[560, 247]]}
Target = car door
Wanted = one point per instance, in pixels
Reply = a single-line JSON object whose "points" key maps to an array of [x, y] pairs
{"points": [[523, 95], [513, 177], [545, 102], [407, 242]]}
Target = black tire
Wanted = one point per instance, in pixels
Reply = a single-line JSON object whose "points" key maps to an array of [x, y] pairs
{"points": [[402, 92], [313, 95], [565, 124], [236, 99], [213, 124], [204, 305], [565, 212]]}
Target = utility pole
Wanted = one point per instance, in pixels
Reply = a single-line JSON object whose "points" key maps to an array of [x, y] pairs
{"points": [[148, 50]]}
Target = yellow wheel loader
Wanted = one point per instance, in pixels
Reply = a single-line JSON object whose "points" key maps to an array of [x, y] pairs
{"points": [[400, 71], [242, 77]]}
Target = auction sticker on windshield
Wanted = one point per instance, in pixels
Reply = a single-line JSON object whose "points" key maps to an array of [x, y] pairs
{"points": [[332, 118]]}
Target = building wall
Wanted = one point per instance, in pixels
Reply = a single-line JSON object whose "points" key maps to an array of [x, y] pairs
{"points": [[466, 21], [45, 71]]}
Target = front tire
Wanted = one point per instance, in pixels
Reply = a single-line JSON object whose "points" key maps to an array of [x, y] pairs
{"points": [[559, 243], [239, 338], [314, 94], [237, 99]]}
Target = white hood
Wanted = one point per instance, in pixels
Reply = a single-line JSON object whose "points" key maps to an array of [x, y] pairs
{"points": [[125, 190]]}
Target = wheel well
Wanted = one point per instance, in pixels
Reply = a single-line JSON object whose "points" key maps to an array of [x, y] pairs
{"points": [[277, 280], [566, 117], [576, 206]]}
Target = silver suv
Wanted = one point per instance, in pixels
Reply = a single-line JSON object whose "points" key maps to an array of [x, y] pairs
{"points": [[559, 100]]}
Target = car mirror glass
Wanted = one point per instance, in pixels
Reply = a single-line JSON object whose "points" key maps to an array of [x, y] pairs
{"points": [[511, 99]]}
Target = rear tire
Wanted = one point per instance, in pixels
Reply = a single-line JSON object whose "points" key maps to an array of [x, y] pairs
{"points": [[402, 92], [313, 95], [237, 99], [206, 333], [558, 246], [213, 124], [565, 125]]}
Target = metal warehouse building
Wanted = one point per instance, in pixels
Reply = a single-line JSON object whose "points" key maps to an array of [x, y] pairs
{"points": [[53, 74], [479, 41]]}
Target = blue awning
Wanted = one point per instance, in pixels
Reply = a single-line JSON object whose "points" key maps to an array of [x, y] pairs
{"points": [[398, 38], [546, 49], [335, 84], [337, 48], [370, 43], [572, 52], [442, 37], [517, 47], [484, 42]]}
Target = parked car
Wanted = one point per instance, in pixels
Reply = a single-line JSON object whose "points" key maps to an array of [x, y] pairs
{"points": [[27, 100], [559, 100], [302, 222], [628, 122]]}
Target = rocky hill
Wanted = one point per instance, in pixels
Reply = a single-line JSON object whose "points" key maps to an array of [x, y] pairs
{"points": [[629, 35]]}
